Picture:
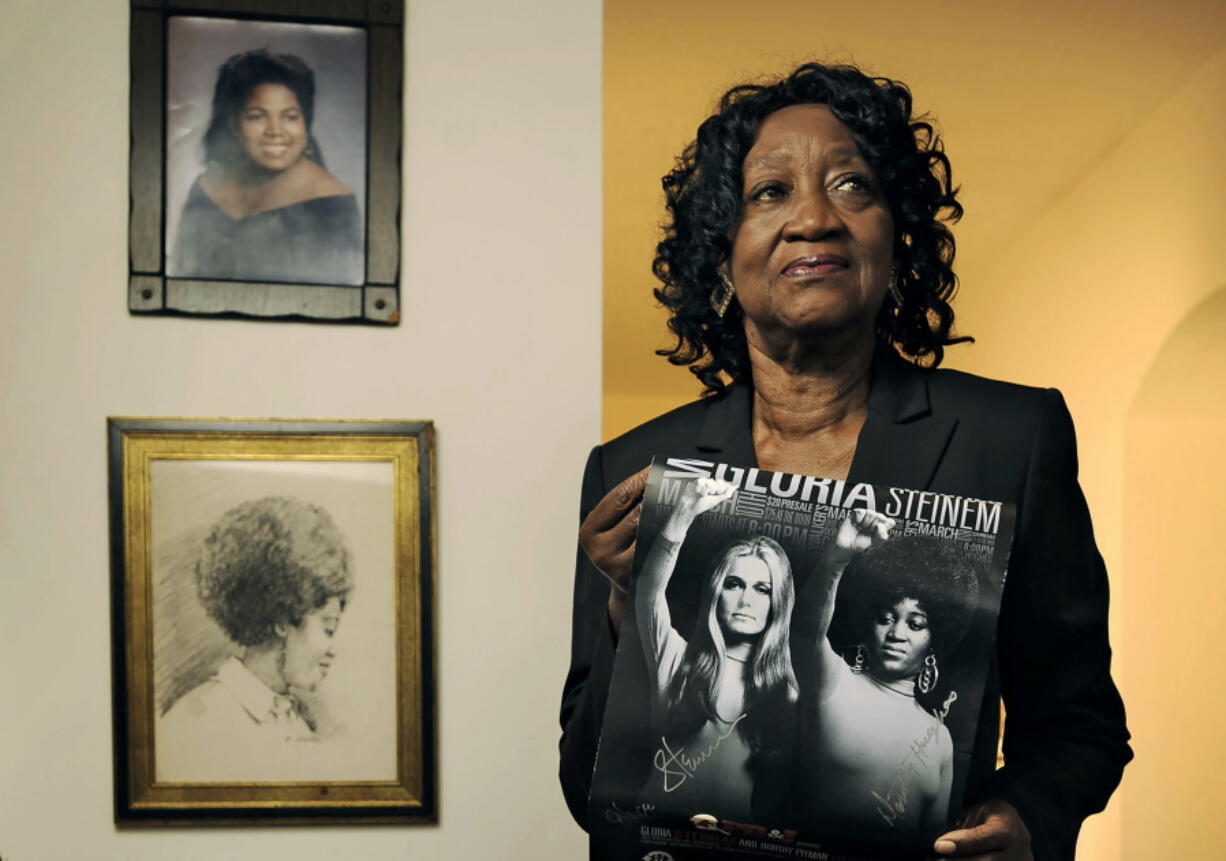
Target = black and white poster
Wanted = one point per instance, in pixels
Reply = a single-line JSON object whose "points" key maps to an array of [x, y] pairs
{"points": [[800, 669]]}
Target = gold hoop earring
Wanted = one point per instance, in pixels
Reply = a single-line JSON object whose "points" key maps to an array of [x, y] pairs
{"points": [[722, 297]]}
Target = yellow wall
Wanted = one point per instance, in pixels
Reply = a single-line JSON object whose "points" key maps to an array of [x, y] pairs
{"points": [[1082, 293], [1175, 461], [1085, 300]]}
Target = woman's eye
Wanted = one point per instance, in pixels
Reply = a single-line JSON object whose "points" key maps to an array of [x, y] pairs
{"points": [[851, 182], [917, 624], [733, 583], [770, 191], [763, 589]]}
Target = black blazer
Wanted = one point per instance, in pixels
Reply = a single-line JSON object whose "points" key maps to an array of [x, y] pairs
{"points": [[1065, 740]]}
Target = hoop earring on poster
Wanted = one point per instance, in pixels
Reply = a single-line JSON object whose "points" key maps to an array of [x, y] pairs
{"points": [[721, 298], [927, 678], [895, 293], [857, 666], [310, 152]]}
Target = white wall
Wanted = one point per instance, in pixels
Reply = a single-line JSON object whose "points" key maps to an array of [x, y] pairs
{"points": [[500, 346]]}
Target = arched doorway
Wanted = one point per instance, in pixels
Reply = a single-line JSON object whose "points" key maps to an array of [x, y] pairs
{"points": [[1173, 595]]}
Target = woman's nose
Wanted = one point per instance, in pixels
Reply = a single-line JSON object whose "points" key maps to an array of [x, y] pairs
{"points": [[894, 632], [812, 216]]}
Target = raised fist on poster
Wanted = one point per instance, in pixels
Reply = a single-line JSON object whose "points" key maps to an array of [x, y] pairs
{"points": [[697, 498], [861, 530]]}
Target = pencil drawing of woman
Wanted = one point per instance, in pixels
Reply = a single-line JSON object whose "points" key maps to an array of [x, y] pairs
{"points": [[274, 574]]}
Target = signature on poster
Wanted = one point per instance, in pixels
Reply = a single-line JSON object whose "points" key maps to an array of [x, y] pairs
{"points": [[943, 711], [677, 767], [894, 803], [618, 815]]}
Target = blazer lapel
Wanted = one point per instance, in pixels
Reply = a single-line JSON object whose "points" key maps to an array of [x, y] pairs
{"points": [[902, 441], [727, 431]]}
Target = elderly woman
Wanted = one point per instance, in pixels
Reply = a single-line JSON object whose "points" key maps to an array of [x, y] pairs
{"points": [[266, 208], [274, 575], [717, 690], [808, 270]]}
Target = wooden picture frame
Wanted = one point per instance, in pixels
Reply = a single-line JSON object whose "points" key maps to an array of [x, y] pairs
{"points": [[264, 262], [273, 621]]}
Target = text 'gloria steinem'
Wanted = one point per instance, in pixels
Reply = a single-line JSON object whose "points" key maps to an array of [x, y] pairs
{"points": [[940, 508]]}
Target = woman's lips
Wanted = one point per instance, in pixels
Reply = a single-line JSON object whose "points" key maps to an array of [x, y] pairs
{"points": [[815, 264]]}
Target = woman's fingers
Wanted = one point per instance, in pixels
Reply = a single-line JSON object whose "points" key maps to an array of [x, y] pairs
{"points": [[607, 533], [714, 487], [998, 834], [870, 522], [708, 493], [616, 503], [622, 535], [883, 527], [988, 837], [601, 544], [620, 564]]}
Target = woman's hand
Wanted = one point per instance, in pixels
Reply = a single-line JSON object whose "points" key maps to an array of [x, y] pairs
{"points": [[991, 830], [859, 531], [607, 537], [697, 498]]}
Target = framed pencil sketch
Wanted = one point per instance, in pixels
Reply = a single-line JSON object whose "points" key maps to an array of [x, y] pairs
{"points": [[272, 615], [265, 162]]}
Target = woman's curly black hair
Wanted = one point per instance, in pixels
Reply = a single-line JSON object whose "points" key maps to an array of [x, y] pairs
{"points": [[932, 572], [704, 201], [271, 561]]}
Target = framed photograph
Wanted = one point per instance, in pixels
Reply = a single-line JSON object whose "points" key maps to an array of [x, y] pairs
{"points": [[272, 613], [265, 164]]}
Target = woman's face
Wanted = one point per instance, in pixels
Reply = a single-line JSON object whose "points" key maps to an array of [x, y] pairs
{"points": [[900, 640], [812, 250], [271, 127], [309, 648], [743, 606]]}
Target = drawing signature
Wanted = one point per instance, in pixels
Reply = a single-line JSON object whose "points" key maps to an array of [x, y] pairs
{"points": [[677, 767], [894, 803]]}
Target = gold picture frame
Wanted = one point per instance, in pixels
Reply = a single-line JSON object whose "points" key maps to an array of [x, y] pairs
{"points": [[250, 558]]}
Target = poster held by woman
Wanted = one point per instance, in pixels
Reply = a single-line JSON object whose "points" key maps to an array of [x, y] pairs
{"points": [[803, 670], [265, 160]]}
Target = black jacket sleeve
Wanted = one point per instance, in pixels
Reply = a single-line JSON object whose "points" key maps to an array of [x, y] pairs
{"points": [[591, 663], [1065, 740]]}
